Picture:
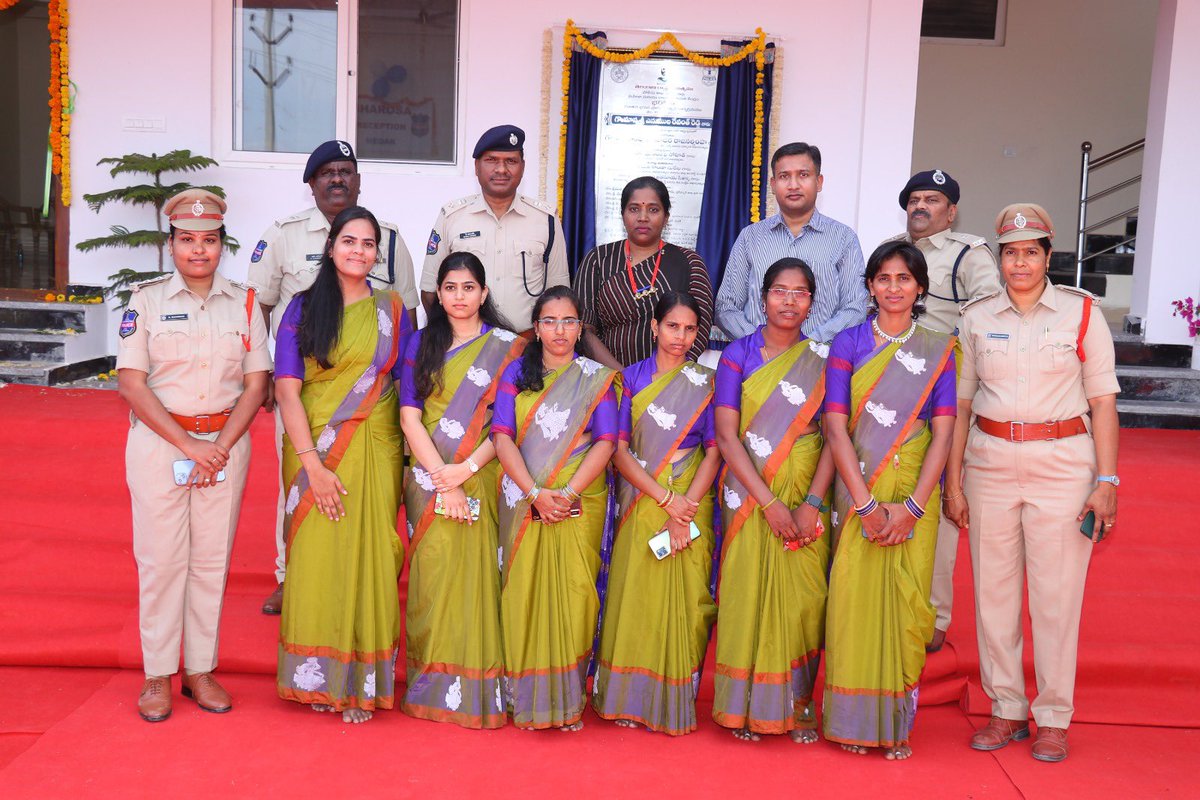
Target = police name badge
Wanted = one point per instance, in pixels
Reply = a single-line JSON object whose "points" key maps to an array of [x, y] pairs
{"points": [[197, 209], [1019, 220], [939, 177]]}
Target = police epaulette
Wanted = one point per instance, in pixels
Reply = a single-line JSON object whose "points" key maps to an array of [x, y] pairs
{"points": [[974, 301], [969, 239], [1081, 292]]}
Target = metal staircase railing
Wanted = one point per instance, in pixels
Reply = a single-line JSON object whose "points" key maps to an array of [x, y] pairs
{"points": [[1087, 165]]}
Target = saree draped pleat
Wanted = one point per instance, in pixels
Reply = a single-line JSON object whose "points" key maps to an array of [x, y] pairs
{"points": [[340, 627], [658, 613], [549, 602], [771, 619], [452, 618], [880, 616]]}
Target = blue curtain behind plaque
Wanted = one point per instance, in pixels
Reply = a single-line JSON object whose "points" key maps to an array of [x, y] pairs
{"points": [[725, 207], [579, 180]]}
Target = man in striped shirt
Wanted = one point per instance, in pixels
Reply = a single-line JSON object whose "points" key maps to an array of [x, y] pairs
{"points": [[799, 231]]}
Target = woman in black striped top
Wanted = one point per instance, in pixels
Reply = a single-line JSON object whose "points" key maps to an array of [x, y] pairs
{"points": [[619, 283]]}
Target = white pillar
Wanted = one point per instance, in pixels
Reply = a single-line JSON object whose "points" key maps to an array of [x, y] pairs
{"points": [[889, 114], [1166, 266]]}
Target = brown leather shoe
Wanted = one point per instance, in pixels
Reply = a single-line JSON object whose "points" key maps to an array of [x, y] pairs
{"points": [[208, 694], [274, 602], [154, 703], [999, 732], [1051, 744], [935, 644]]}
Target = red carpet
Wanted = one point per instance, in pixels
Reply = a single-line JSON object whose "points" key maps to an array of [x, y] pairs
{"points": [[68, 604]]}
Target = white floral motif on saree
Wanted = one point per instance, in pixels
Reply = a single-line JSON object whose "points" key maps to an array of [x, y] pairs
{"points": [[423, 479], [512, 492], [882, 414], [478, 376], [454, 695], [452, 428], [696, 378], [761, 447], [308, 676], [792, 393], [911, 362], [552, 420], [731, 498], [663, 418]]}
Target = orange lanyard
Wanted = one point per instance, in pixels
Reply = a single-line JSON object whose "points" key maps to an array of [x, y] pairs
{"points": [[633, 287]]}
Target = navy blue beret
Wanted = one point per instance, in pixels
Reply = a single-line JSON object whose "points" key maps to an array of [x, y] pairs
{"points": [[930, 180], [505, 138], [333, 150]]}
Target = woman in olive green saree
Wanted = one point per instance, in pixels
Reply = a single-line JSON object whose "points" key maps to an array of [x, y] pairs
{"points": [[554, 427], [340, 627], [452, 618], [889, 414], [668, 460], [771, 591]]}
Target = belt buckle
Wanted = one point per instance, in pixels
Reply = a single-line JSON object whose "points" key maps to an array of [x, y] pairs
{"points": [[207, 424], [1051, 429], [1012, 432]]}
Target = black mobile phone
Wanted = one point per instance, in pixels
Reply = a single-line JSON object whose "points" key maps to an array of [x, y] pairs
{"points": [[1088, 528]]}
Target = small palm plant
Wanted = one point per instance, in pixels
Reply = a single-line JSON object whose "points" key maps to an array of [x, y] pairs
{"points": [[153, 194]]}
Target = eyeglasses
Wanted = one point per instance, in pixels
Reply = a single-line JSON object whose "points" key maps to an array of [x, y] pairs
{"points": [[779, 293], [566, 323]]}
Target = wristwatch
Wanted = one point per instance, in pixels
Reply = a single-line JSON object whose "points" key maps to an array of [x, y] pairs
{"points": [[471, 465], [1113, 479], [816, 503]]}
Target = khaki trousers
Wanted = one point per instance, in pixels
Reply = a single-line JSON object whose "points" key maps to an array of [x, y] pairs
{"points": [[280, 536], [941, 591], [1024, 497], [182, 540]]}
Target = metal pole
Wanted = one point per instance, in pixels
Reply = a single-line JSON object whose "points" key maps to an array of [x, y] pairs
{"points": [[1085, 158]]}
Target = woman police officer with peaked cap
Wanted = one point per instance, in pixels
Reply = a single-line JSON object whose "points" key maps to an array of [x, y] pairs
{"points": [[1040, 459], [193, 366]]}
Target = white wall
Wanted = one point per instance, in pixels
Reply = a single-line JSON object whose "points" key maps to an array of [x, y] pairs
{"points": [[1068, 72], [849, 85], [1166, 268]]}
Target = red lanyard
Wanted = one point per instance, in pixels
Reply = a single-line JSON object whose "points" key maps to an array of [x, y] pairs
{"points": [[653, 277]]}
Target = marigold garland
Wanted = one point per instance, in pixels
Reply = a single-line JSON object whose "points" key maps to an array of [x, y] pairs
{"points": [[8, 4], [757, 47], [60, 97]]}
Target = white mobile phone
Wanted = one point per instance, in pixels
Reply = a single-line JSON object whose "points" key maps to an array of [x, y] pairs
{"points": [[183, 468], [660, 543]]}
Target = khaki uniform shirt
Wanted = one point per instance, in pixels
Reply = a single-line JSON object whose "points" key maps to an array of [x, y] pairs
{"points": [[1024, 367], [286, 259], [511, 249], [977, 274], [193, 348]]}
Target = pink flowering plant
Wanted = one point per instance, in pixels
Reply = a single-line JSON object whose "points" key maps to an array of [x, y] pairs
{"points": [[1187, 309]]}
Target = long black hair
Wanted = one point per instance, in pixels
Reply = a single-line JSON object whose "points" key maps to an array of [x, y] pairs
{"points": [[530, 377], [437, 336], [914, 261], [321, 304]]}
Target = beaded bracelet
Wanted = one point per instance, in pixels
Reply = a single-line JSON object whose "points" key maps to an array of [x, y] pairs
{"points": [[868, 508], [914, 508]]}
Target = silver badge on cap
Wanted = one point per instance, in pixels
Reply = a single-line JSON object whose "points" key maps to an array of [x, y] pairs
{"points": [[197, 209], [345, 148], [512, 139], [1019, 220], [939, 177]]}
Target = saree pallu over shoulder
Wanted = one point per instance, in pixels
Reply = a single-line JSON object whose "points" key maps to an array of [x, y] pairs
{"points": [[339, 632], [653, 680], [663, 414], [549, 602], [879, 612], [458, 422], [454, 654], [772, 600]]}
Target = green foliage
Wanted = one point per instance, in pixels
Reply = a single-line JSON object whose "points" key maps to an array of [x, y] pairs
{"points": [[152, 194]]}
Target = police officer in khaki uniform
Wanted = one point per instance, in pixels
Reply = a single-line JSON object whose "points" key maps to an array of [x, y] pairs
{"points": [[518, 239], [285, 262], [960, 267], [193, 365], [1038, 466]]}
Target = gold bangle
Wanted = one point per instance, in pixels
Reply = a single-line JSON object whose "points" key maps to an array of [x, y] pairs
{"points": [[946, 497], [769, 502]]}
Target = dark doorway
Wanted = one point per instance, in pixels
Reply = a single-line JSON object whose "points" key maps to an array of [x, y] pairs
{"points": [[28, 210]]}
